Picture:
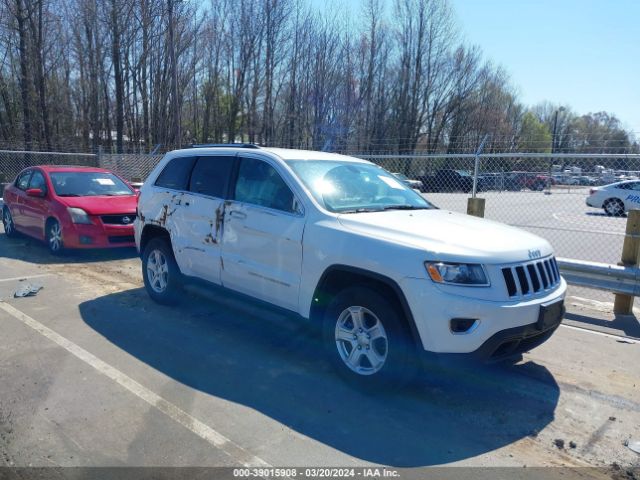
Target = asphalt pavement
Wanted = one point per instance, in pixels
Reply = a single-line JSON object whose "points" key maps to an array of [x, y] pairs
{"points": [[95, 374]]}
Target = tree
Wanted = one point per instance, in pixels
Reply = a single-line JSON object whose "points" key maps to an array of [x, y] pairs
{"points": [[534, 136]]}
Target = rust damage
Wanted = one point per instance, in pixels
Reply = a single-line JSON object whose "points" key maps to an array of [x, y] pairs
{"points": [[216, 226], [161, 220]]}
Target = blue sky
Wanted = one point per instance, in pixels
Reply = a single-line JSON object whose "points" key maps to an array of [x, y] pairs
{"points": [[580, 53], [583, 53]]}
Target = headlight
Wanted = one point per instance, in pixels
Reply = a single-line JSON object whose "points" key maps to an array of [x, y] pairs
{"points": [[78, 215], [457, 273]]}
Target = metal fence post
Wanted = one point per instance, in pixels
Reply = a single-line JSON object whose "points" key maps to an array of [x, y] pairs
{"points": [[623, 304], [99, 155], [476, 167], [475, 207]]}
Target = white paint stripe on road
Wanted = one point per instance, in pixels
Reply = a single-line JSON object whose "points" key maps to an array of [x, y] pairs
{"points": [[602, 334], [233, 450], [26, 277]]}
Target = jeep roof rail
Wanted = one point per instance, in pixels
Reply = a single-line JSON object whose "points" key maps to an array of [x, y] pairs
{"points": [[224, 145]]}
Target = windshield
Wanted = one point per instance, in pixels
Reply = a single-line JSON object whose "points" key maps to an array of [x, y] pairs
{"points": [[88, 184], [346, 187]]}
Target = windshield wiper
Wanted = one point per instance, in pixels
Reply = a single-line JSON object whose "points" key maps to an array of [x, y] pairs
{"points": [[69, 195], [361, 210], [403, 207]]}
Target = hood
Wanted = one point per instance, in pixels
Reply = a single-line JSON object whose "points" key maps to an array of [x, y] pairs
{"points": [[102, 205], [450, 236]]}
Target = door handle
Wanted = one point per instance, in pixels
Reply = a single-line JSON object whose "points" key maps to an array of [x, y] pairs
{"points": [[237, 214]]}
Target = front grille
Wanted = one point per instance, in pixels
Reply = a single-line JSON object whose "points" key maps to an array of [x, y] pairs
{"points": [[122, 239], [530, 278], [118, 219]]}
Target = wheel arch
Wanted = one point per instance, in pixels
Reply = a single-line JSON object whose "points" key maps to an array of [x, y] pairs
{"points": [[47, 222], [150, 232], [337, 277]]}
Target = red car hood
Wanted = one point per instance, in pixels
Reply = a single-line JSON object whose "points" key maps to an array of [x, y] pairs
{"points": [[103, 205]]}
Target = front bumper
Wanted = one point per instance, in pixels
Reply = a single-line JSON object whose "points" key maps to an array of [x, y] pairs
{"points": [[505, 344], [502, 326], [98, 236]]}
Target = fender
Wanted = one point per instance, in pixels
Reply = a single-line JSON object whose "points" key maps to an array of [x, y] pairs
{"points": [[317, 307]]}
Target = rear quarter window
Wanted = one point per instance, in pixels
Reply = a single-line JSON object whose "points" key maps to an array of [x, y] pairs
{"points": [[176, 173]]}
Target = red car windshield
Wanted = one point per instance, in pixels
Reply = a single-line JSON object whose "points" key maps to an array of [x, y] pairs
{"points": [[88, 184]]}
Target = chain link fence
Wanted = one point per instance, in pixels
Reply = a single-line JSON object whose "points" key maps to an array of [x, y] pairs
{"points": [[133, 167], [542, 193]]}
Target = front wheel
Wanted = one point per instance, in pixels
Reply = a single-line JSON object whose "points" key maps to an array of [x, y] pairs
{"points": [[7, 223], [54, 237], [367, 340], [161, 274]]}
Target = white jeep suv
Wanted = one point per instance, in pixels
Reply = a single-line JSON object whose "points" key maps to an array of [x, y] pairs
{"points": [[343, 243]]}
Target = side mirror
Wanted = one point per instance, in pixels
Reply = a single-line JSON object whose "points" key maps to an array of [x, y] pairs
{"points": [[35, 192]]}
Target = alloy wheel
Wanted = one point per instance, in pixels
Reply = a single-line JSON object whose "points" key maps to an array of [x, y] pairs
{"points": [[361, 340], [8, 222], [55, 237], [157, 271]]}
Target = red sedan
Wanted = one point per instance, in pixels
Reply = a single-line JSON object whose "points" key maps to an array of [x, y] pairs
{"points": [[71, 207]]}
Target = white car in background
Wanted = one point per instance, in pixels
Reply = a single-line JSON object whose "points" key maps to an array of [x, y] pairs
{"points": [[617, 198]]}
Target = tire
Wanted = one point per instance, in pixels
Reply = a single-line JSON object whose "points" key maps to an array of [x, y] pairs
{"points": [[161, 274], [54, 238], [7, 223], [614, 207], [360, 321]]}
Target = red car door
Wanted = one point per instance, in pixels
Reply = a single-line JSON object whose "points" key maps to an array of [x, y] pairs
{"points": [[16, 204], [35, 209]]}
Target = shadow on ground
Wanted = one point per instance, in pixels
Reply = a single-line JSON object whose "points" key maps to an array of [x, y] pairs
{"points": [[31, 250], [275, 365], [602, 214], [627, 324]]}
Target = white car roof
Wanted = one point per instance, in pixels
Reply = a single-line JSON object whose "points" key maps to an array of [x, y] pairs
{"points": [[292, 154], [282, 153], [616, 184]]}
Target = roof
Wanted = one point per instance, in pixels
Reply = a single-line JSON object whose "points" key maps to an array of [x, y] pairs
{"points": [[283, 153], [291, 154]]}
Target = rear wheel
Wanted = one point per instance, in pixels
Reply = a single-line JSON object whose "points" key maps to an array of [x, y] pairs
{"points": [[7, 223], [614, 207], [367, 340], [54, 237], [161, 274]]}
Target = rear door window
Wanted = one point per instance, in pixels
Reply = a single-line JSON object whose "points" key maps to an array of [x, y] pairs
{"points": [[176, 173], [211, 175], [23, 180]]}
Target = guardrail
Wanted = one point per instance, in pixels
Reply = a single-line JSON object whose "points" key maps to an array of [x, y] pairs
{"points": [[602, 276]]}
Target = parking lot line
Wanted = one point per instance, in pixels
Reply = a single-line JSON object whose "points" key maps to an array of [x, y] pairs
{"points": [[233, 450], [26, 277]]}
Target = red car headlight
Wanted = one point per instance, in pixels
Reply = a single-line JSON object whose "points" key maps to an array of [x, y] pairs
{"points": [[78, 215]]}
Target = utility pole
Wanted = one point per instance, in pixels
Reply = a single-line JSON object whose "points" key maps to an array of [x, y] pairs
{"points": [[174, 79], [555, 128]]}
